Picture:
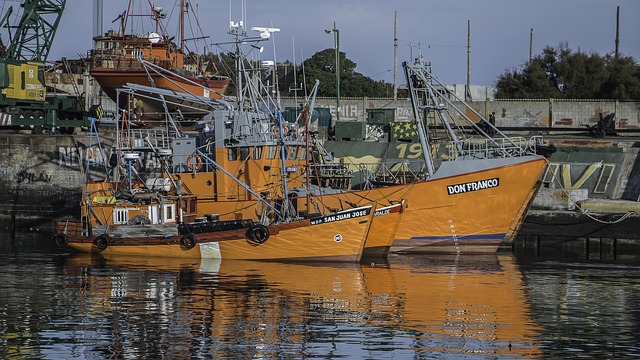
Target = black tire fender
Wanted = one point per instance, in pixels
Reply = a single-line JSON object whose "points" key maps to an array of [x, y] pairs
{"points": [[258, 233], [102, 242], [60, 240], [188, 241]]}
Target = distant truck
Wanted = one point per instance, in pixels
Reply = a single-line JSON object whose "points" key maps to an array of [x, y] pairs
{"points": [[24, 101], [23, 97]]}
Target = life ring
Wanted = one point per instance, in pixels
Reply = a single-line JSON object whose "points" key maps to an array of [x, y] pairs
{"points": [[101, 242], [188, 241], [60, 240], [197, 165], [258, 233]]}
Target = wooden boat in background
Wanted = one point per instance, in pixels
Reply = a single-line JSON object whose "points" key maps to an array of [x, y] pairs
{"points": [[116, 61]]}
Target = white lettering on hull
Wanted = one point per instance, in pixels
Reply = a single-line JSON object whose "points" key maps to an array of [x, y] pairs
{"points": [[344, 215], [473, 186]]}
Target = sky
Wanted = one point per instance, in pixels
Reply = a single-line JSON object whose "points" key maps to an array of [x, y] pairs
{"points": [[500, 30]]}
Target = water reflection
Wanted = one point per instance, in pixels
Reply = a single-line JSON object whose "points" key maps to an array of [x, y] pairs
{"points": [[588, 307], [410, 306], [57, 305]]}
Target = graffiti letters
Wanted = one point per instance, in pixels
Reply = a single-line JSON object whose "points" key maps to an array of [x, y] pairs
{"points": [[595, 177], [69, 156], [409, 151], [31, 177]]}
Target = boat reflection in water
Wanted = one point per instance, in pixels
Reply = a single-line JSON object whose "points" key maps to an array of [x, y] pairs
{"points": [[410, 307]]}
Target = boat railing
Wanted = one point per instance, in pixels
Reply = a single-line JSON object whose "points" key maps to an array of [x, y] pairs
{"points": [[146, 139], [336, 176], [474, 148], [386, 173], [330, 170]]}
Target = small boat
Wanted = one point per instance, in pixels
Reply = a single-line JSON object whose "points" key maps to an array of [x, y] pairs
{"points": [[117, 60], [158, 220]]}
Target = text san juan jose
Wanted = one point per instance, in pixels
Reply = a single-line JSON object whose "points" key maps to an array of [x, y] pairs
{"points": [[343, 215]]}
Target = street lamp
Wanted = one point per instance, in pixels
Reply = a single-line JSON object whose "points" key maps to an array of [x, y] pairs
{"points": [[336, 43]]}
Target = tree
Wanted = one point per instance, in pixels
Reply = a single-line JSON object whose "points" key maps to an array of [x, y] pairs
{"points": [[322, 66], [563, 74]]}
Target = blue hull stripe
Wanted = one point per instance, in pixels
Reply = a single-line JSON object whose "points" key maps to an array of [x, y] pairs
{"points": [[462, 238]]}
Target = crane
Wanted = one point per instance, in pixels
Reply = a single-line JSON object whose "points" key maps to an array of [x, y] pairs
{"points": [[23, 98], [32, 37]]}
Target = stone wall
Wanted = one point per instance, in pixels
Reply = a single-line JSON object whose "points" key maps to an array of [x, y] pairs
{"points": [[543, 114], [41, 176]]}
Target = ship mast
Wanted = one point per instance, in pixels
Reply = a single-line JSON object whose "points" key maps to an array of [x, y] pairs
{"points": [[182, 10]]}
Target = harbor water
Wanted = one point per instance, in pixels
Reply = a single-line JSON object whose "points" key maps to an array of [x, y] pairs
{"points": [[56, 305]]}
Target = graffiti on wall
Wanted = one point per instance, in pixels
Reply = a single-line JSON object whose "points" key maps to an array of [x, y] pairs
{"points": [[598, 178], [595, 177], [76, 157], [32, 177]]}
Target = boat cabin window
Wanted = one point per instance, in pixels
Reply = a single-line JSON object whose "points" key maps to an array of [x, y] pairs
{"points": [[244, 153], [257, 153], [120, 216], [232, 154], [271, 152], [189, 206], [169, 213]]}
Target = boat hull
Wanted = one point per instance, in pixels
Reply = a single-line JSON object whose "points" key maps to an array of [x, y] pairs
{"points": [[462, 211], [440, 215], [112, 79], [337, 237], [383, 229]]}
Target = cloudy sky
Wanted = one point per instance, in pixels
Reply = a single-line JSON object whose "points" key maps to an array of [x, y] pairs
{"points": [[500, 30]]}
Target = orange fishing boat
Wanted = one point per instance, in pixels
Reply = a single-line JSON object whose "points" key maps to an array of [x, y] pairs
{"points": [[160, 217], [116, 61], [472, 200]]}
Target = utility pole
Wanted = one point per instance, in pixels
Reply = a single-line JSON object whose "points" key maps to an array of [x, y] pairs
{"points": [[617, 31], [336, 43], [395, 56], [530, 46], [467, 95]]}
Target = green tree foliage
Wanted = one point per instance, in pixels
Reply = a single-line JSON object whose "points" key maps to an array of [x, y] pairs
{"points": [[322, 66], [564, 74]]}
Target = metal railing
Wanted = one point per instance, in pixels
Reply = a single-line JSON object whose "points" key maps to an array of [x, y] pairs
{"points": [[474, 148]]}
